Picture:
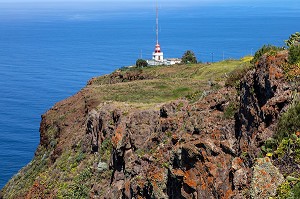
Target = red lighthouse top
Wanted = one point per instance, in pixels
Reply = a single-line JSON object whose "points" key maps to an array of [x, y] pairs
{"points": [[157, 48]]}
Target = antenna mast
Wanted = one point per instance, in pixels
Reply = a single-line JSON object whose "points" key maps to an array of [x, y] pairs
{"points": [[156, 23]]}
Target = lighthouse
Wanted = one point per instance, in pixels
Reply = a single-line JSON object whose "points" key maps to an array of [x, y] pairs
{"points": [[157, 55]]}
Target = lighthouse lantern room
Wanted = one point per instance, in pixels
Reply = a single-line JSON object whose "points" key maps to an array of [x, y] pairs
{"points": [[157, 54]]}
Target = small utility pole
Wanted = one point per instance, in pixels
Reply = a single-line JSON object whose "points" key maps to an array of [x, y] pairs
{"points": [[212, 57], [223, 56]]}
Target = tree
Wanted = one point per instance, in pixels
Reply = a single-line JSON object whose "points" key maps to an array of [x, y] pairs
{"points": [[189, 57], [293, 40], [141, 63]]}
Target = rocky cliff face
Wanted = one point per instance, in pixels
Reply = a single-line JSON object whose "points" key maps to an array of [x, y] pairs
{"points": [[264, 94], [93, 149], [181, 150]]}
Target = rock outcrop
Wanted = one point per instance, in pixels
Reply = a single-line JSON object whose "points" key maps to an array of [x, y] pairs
{"points": [[264, 94], [181, 150], [93, 149]]}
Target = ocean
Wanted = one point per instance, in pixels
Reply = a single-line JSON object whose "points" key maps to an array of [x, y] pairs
{"points": [[45, 58]]}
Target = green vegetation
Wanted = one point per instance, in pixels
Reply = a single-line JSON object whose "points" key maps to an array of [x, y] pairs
{"points": [[269, 146], [294, 39], [230, 110], [27, 176], [285, 141], [140, 63], [140, 153], [289, 122], [166, 83], [294, 55], [291, 69], [290, 147], [78, 188], [288, 190], [105, 149], [269, 49], [285, 148], [235, 76], [189, 57], [192, 97]]}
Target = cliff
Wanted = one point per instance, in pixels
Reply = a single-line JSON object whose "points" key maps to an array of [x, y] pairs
{"points": [[168, 132]]}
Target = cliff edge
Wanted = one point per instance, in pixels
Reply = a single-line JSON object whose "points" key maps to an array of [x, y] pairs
{"points": [[170, 132]]}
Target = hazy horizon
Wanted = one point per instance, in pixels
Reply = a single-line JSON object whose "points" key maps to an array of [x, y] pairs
{"points": [[95, 10], [125, 4]]}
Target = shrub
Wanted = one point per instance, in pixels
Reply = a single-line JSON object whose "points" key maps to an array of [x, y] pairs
{"points": [[289, 122], [271, 50], [78, 188], [284, 190], [236, 75], [189, 57], [296, 190], [294, 55], [141, 63], [293, 39]]}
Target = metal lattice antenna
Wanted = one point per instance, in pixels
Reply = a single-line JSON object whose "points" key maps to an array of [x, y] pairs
{"points": [[156, 23]]}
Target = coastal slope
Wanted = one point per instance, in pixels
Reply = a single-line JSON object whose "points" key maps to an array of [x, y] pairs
{"points": [[183, 131]]}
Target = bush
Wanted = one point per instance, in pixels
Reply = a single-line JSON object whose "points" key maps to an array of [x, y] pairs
{"points": [[294, 39], [296, 190], [78, 188], [289, 122], [141, 63], [189, 57], [235, 76], [294, 55], [271, 50], [285, 190]]}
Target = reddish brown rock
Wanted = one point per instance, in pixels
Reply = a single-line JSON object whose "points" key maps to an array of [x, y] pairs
{"points": [[180, 150]]}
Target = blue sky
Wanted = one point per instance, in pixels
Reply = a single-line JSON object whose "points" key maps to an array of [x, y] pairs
{"points": [[148, 2], [113, 4]]}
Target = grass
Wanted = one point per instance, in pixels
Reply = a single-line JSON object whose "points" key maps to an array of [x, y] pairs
{"points": [[166, 83], [72, 173]]}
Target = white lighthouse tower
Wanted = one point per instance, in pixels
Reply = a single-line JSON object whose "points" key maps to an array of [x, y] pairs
{"points": [[157, 55]]}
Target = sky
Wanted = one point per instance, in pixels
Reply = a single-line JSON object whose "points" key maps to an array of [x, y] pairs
{"points": [[130, 3]]}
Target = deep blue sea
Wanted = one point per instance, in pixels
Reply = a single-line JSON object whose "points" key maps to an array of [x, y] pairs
{"points": [[47, 57]]}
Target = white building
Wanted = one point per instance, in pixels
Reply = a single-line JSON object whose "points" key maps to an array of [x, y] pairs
{"points": [[173, 61]]}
